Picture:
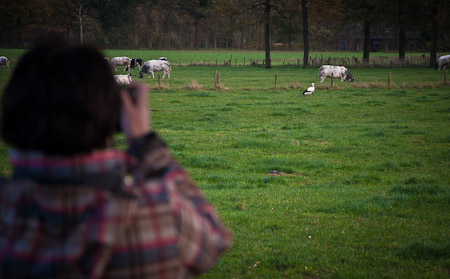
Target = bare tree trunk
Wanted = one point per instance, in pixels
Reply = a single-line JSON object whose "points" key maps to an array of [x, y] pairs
{"points": [[366, 53], [196, 33], [150, 36], [78, 12], [434, 32], [305, 34], [402, 31], [215, 35], [238, 40], [10, 34], [80, 17], [267, 32], [160, 31]]}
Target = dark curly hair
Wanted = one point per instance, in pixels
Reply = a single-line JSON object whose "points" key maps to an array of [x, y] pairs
{"points": [[61, 99]]}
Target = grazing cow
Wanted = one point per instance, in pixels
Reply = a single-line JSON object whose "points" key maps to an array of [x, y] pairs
{"points": [[335, 72], [121, 61], [123, 79], [152, 66], [442, 62], [136, 62], [4, 62]]}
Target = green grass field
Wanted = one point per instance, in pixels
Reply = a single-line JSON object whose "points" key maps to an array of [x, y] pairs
{"points": [[363, 189]]}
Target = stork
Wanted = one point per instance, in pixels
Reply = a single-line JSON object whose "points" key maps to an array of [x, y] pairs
{"points": [[309, 91]]}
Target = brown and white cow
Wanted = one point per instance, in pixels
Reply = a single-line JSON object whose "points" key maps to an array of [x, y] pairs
{"points": [[442, 62], [121, 61], [332, 71], [4, 62]]}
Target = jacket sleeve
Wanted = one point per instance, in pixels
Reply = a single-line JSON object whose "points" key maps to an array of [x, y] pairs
{"points": [[201, 234]]}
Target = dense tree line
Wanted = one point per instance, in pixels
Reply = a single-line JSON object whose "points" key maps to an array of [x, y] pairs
{"points": [[240, 24]]}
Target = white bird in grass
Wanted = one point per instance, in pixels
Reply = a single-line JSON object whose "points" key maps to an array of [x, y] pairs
{"points": [[309, 91]]}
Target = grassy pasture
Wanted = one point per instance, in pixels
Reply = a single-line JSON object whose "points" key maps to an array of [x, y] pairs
{"points": [[210, 56], [363, 189]]}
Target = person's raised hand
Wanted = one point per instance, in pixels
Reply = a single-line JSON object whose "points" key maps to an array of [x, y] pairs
{"points": [[135, 111]]}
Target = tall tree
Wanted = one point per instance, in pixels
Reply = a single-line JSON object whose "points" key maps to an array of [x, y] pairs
{"points": [[198, 10], [79, 9], [434, 9], [366, 50], [265, 7], [368, 12], [15, 16], [305, 33], [401, 29], [267, 32]]}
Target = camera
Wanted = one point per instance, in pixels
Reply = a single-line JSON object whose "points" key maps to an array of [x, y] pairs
{"points": [[132, 92]]}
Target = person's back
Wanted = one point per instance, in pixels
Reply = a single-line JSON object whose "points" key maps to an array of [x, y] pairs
{"points": [[68, 210]]}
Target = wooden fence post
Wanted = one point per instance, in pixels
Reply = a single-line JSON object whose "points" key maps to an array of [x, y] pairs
{"points": [[218, 79], [332, 79], [215, 80], [445, 76], [276, 80], [389, 79]]}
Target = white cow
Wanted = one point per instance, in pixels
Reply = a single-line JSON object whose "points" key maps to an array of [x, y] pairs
{"points": [[121, 61], [335, 72], [4, 62], [152, 66], [442, 62], [123, 79]]}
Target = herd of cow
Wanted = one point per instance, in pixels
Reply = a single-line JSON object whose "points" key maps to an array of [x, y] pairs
{"points": [[162, 65], [150, 67]]}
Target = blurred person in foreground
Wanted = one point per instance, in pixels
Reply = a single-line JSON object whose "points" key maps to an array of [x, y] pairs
{"points": [[68, 211]]}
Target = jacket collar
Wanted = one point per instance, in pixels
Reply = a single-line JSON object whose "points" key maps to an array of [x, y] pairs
{"points": [[103, 169]]}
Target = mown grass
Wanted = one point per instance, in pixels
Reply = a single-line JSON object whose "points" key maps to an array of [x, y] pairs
{"points": [[364, 190], [236, 57]]}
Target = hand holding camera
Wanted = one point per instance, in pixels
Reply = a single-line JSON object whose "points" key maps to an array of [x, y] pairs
{"points": [[135, 112]]}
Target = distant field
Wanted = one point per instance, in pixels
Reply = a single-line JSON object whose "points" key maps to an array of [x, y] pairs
{"points": [[211, 56], [256, 77], [363, 189]]}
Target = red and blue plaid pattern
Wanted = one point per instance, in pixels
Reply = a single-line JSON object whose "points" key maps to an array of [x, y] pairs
{"points": [[66, 217]]}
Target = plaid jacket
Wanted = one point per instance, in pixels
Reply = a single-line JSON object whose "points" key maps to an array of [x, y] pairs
{"points": [[77, 217]]}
